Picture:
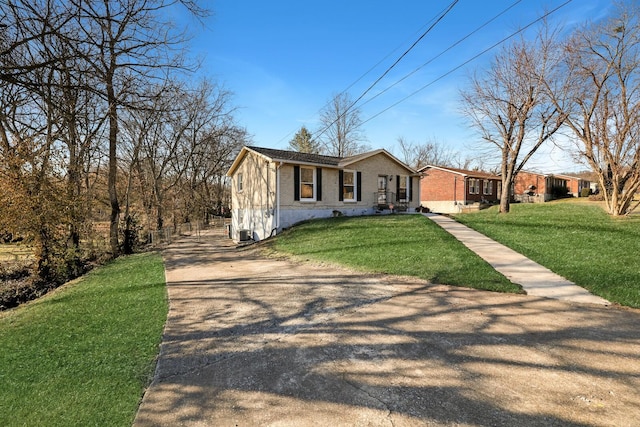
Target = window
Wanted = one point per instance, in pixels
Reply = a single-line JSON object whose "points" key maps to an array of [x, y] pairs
{"points": [[487, 187], [239, 181], [307, 183], [349, 186], [402, 188], [474, 186]]}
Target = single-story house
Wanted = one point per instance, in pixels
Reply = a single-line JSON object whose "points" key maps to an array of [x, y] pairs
{"points": [[533, 187], [273, 189], [575, 184], [451, 190], [538, 187]]}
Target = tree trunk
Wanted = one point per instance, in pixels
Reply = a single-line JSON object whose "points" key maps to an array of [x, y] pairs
{"points": [[113, 166], [505, 204]]}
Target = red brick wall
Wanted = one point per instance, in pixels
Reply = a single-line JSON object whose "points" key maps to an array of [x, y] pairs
{"points": [[438, 185], [524, 179], [572, 185]]}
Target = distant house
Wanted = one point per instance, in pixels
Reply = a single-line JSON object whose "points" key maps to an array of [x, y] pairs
{"points": [[537, 187], [533, 187], [575, 184], [274, 189], [451, 190]]}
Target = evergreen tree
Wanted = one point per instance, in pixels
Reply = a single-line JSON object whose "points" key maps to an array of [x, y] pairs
{"points": [[303, 142]]}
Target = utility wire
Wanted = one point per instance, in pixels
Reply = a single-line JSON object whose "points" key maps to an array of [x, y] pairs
{"points": [[405, 53], [394, 50], [468, 61], [436, 18], [427, 31], [442, 53]]}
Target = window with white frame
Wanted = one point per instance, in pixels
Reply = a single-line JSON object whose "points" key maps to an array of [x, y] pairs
{"points": [[307, 183], [349, 186], [474, 186], [239, 182], [487, 187]]}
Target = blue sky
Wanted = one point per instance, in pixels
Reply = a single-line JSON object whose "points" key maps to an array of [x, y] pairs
{"points": [[284, 60]]}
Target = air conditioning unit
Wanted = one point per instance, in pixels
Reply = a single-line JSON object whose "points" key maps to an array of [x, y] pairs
{"points": [[245, 235]]}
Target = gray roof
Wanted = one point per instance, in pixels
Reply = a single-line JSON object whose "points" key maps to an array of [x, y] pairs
{"points": [[294, 156]]}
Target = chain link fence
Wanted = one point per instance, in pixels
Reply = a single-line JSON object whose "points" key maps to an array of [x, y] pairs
{"points": [[168, 234]]}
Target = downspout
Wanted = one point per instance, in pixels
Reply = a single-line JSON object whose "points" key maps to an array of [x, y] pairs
{"points": [[277, 199], [465, 185], [268, 191], [267, 162], [455, 190]]}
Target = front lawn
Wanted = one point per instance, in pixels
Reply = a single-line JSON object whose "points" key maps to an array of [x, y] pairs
{"points": [[575, 239], [82, 355], [409, 245]]}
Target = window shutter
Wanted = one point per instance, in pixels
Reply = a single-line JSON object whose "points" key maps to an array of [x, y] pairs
{"points": [[397, 188], [410, 188], [296, 183], [319, 184], [359, 186], [340, 185]]}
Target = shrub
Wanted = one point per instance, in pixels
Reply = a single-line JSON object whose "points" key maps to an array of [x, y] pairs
{"points": [[585, 192]]}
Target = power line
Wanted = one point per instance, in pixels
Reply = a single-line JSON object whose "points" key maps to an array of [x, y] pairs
{"points": [[442, 53], [429, 23], [394, 50], [427, 31], [468, 61]]}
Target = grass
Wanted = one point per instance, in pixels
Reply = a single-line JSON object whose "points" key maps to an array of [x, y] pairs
{"points": [[575, 239], [82, 355], [393, 244]]}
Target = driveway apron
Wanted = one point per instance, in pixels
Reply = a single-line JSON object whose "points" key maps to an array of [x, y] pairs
{"points": [[253, 341]]}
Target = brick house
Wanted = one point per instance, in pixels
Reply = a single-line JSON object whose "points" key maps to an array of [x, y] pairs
{"points": [[538, 187], [575, 184], [451, 190], [273, 189]]}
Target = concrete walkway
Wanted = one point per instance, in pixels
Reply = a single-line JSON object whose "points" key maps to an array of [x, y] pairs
{"points": [[535, 279]]}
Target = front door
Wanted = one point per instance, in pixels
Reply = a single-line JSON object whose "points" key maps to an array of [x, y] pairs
{"points": [[382, 189]]}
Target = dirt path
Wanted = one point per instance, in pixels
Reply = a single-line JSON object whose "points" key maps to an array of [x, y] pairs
{"points": [[252, 341]]}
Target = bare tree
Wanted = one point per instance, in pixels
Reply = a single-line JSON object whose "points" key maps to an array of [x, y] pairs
{"points": [[35, 125], [508, 106], [126, 42], [600, 95], [430, 152], [341, 133], [26, 28]]}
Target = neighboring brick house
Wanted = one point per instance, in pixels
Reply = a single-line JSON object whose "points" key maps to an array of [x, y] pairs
{"points": [[451, 190], [532, 187], [575, 184], [274, 189], [537, 187]]}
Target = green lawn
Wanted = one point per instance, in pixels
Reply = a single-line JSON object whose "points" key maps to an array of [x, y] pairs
{"points": [[574, 238], [394, 244], [82, 355]]}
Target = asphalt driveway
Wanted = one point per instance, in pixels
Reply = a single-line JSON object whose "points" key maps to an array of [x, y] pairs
{"points": [[252, 341]]}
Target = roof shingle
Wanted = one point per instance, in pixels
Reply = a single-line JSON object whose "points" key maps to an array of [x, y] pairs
{"points": [[294, 156]]}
